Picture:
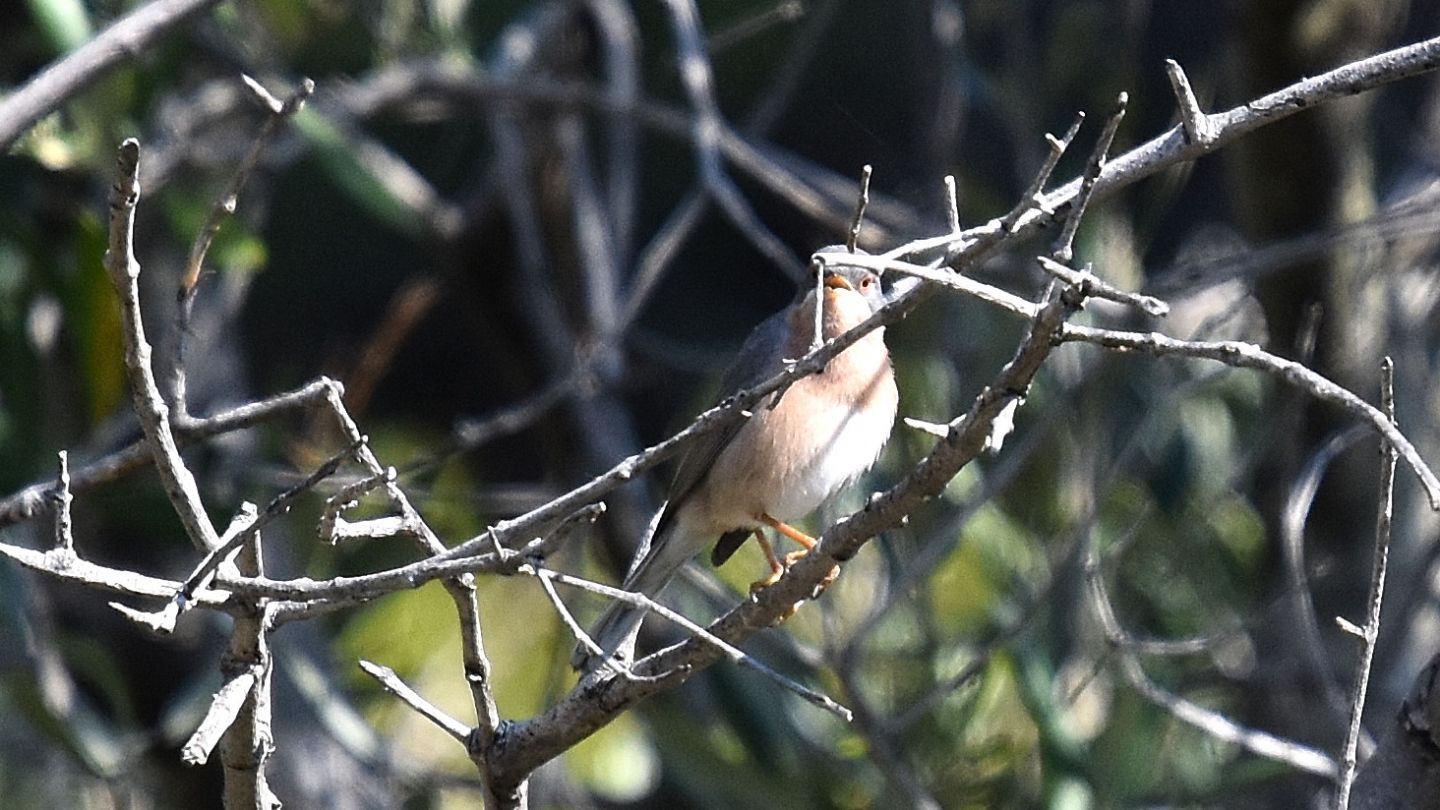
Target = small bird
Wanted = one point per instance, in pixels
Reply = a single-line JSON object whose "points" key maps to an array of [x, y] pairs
{"points": [[779, 464]]}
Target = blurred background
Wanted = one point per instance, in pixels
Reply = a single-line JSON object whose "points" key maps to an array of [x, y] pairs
{"points": [[498, 208]]}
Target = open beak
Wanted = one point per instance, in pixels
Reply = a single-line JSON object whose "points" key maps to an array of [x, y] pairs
{"points": [[837, 282]]}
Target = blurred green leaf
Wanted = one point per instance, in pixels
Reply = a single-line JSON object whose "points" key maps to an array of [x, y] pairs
{"points": [[619, 762], [93, 315], [64, 23], [970, 586]]}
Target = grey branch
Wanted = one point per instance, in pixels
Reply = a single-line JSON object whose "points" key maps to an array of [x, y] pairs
{"points": [[1194, 120], [127, 38], [64, 531], [34, 499], [1209, 721], [69, 566], [392, 684], [1371, 630], [1065, 243], [1094, 287], [729, 651], [224, 707], [1248, 355], [150, 407]]}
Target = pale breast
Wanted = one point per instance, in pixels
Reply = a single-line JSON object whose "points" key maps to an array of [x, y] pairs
{"points": [[826, 430]]}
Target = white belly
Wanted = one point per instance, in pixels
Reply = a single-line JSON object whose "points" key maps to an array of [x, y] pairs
{"points": [[856, 443]]}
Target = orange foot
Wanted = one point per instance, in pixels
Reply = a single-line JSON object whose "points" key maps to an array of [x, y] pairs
{"points": [[778, 567]]}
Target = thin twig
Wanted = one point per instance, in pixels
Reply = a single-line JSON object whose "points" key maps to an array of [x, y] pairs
{"points": [[942, 277], [568, 619], [278, 506], [224, 708], [1094, 287], [1031, 197], [1248, 355], [332, 528], [74, 568], [225, 206], [1298, 503], [1211, 722], [784, 11], [1371, 631], [64, 533], [1064, 248], [1198, 129], [392, 684], [952, 204], [1172, 146], [150, 406], [861, 202], [172, 374], [473, 433], [32, 500], [731, 652]]}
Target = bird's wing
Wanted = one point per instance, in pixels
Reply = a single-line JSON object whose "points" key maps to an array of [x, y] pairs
{"points": [[758, 359]]}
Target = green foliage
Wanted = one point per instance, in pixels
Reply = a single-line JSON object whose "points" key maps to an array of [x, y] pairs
{"points": [[65, 24]]}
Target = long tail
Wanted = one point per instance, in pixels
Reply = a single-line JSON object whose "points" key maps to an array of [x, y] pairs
{"points": [[615, 632]]}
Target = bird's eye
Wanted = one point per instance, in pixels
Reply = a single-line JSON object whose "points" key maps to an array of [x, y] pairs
{"points": [[865, 282]]}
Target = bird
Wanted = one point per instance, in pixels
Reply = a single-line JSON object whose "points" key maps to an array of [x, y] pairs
{"points": [[794, 450]]}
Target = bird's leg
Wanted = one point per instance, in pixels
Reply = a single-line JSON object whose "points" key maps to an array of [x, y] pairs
{"points": [[791, 532], [803, 539], [776, 567]]}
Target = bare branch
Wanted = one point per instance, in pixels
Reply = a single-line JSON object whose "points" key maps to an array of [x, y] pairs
{"points": [[64, 533], [1093, 287], [1298, 504], [32, 500], [784, 11], [734, 654], [392, 684], [150, 407], [1064, 244], [944, 278], [241, 531], [1371, 630], [225, 206], [1172, 147], [1196, 123], [1032, 195], [1211, 722], [128, 37], [248, 742], [860, 204], [69, 566], [224, 707], [172, 374], [952, 204], [1247, 355]]}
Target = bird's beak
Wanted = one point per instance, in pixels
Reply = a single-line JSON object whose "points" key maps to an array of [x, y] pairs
{"points": [[837, 282]]}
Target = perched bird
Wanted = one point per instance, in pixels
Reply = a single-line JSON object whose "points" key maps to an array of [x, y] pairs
{"points": [[781, 462]]}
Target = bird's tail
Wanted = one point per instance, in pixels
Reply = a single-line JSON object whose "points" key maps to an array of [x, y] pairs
{"points": [[618, 626]]}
